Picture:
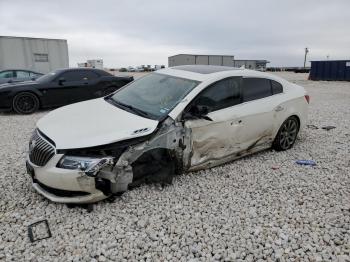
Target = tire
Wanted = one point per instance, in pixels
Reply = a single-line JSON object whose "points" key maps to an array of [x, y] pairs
{"points": [[25, 103], [287, 134]]}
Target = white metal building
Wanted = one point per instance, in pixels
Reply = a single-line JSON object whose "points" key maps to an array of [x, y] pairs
{"points": [[251, 64], [93, 63], [187, 59], [37, 54], [222, 60]]}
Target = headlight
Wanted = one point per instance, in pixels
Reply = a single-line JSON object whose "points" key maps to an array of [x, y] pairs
{"points": [[89, 165]]}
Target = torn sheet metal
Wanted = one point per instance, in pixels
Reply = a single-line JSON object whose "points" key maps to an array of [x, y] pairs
{"points": [[170, 136]]}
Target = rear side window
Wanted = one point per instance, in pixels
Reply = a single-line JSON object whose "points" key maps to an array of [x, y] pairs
{"points": [[79, 75], [255, 88], [223, 94], [72, 76], [6, 74], [276, 87], [22, 74]]}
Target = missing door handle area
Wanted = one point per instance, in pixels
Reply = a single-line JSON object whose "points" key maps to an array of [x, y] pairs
{"points": [[238, 122], [279, 108]]}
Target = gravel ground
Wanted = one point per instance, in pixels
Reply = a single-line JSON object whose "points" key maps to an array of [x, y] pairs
{"points": [[261, 207]]}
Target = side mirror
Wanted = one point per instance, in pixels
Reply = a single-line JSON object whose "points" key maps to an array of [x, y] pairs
{"points": [[10, 81], [61, 80], [197, 112]]}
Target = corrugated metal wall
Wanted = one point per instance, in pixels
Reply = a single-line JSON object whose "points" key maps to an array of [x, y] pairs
{"points": [[334, 70], [187, 59], [184, 59], [22, 53]]}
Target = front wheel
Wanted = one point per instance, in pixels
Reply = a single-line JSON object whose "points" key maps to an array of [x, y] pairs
{"points": [[25, 103], [287, 134]]}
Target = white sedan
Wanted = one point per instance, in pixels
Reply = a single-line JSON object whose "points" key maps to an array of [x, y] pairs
{"points": [[175, 120]]}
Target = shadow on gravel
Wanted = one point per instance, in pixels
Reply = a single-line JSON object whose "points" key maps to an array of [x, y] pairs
{"points": [[12, 113]]}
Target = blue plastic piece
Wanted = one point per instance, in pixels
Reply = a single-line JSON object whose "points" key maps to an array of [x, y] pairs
{"points": [[306, 162]]}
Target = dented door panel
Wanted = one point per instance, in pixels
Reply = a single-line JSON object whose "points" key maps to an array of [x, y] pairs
{"points": [[233, 130], [213, 140]]}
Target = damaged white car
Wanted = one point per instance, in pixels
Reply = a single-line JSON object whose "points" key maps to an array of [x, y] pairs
{"points": [[178, 119]]}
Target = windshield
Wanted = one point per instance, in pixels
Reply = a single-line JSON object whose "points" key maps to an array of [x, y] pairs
{"points": [[154, 95], [47, 78]]}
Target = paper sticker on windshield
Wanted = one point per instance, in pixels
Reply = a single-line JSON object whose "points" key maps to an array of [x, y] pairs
{"points": [[164, 110]]}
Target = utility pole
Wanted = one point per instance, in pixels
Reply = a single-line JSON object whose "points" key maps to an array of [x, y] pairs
{"points": [[306, 51]]}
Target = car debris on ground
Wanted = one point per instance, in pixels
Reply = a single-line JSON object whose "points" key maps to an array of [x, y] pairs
{"points": [[39, 230], [306, 162], [312, 126], [328, 127]]}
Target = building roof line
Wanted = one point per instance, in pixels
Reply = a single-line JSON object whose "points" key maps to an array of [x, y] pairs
{"points": [[199, 55], [257, 60], [343, 60], [262, 60], [33, 38]]}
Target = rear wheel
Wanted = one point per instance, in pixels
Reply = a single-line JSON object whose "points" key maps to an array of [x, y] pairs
{"points": [[25, 103], [287, 134]]}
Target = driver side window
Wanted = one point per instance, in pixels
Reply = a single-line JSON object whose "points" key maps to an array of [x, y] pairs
{"points": [[71, 76], [220, 95]]}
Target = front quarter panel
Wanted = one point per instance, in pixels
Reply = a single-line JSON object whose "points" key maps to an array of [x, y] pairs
{"points": [[10, 91]]}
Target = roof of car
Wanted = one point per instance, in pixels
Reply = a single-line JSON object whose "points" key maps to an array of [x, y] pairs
{"points": [[19, 69], [205, 73], [79, 68], [102, 72]]}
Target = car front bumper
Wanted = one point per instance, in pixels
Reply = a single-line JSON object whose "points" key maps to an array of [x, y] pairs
{"points": [[5, 101], [90, 198], [63, 185]]}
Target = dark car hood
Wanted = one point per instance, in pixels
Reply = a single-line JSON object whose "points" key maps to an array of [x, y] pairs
{"points": [[18, 84]]}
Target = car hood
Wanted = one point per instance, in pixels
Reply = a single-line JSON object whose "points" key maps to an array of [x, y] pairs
{"points": [[93, 123], [18, 84]]}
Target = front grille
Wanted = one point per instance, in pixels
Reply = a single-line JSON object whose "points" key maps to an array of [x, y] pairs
{"points": [[40, 151], [61, 192]]}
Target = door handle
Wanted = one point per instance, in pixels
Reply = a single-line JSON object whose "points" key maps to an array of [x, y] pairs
{"points": [[279, 108]]}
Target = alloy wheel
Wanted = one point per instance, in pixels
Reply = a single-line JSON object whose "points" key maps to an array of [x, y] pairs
{"points": [[288, 134], [25, 103]]}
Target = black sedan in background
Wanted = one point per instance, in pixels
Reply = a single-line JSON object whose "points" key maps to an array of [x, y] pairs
{"points": [[58, 88], [17, 75]]}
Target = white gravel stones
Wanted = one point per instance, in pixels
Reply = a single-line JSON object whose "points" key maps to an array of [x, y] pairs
{"points": [[243, 211]]}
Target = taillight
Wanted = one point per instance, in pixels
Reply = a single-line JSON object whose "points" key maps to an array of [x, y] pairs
{"points": [[307, 97]]}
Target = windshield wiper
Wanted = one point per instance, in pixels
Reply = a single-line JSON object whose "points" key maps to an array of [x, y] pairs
{"points": [[133, 109]]}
